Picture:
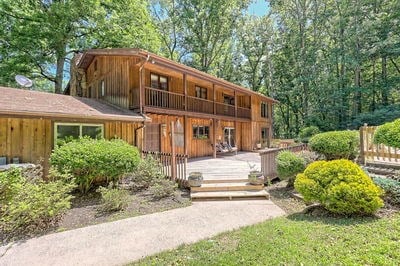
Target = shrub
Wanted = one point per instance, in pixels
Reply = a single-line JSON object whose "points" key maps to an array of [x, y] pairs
{"points": [[95, 161], [146, 174], [388, 134], [341, 186], [289, 165], [307, 132], [27, 207], [336, 144], [113, 199], [309, 156], [163, 188], [391, 188]]}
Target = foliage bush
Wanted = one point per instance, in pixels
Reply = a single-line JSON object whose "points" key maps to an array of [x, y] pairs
{"points": [[341, 186], [113, 199], [27, 206], [289, 165], [336, 144], [309, 156], [146, 174], [163, 188], [391, 188], [377, 117], [307, 132], [95, 161], [388, 134]]}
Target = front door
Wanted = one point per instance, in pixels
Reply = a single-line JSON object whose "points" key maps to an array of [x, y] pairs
{"points": [[229, 136]]}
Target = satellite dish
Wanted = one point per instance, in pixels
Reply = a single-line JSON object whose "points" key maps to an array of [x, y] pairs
{"points": [[23, 81]]}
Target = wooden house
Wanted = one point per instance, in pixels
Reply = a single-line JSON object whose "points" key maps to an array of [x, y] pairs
{"points": [[32, 122], [205, 110]]}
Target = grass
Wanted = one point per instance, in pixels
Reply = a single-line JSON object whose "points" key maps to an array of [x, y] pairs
{"points": [[297, 239]]}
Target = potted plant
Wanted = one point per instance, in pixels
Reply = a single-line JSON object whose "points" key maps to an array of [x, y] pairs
{"points": [[255, 176], [195, 179]]}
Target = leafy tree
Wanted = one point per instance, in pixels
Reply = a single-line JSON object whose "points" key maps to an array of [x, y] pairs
{"points": [[39, 37]]}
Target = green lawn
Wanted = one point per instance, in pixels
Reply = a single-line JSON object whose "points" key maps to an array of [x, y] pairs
{"points": [[295, 240]]}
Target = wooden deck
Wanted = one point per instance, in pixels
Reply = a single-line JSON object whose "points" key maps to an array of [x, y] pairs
{"points": [[225, 167]]}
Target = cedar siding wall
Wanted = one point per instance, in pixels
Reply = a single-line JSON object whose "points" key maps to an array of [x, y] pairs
{"points": [[31, 139], [121, 79]]}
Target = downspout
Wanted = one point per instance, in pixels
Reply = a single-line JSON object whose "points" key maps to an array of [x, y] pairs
{"points": [[136, 134]]}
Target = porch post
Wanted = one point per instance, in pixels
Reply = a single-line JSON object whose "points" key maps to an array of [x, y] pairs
{"points": [[185, 90], [185, 135], [214, 138], [214, 98], [173, 153]]}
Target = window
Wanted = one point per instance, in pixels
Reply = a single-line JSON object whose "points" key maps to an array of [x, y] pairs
{"points": [[264, 110], [228, 99], [65, 132], [158, 82], [201, 92], [201, 132], [264, 133]]}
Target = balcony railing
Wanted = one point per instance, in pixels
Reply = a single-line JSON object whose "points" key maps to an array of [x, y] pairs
{"points": [[244, 112], [171, 100], [225, 109], [200, 105], [164, 99]]}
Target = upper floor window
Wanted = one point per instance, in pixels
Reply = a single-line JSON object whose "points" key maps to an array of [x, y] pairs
{"points": [[159, 82], [228, 99], [201, 92], [264, 110]]}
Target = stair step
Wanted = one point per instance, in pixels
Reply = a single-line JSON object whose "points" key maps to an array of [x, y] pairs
{"points": [[237, 186], [230, 195], [213, 181]]}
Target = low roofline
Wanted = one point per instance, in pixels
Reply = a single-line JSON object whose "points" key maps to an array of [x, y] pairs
{"points": [[48, 115], [162, 61]]}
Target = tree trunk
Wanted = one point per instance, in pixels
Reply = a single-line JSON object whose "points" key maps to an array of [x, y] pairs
{"points": [[59, 75], [385, 99]]}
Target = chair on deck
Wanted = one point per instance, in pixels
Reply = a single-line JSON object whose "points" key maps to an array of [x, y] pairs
{"points": [[225, 148]]}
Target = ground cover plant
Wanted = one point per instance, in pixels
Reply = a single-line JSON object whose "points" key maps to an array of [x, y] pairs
{"points": [[94, 161], [336, 144], [391, 188], [298, 239], [341, 186]]}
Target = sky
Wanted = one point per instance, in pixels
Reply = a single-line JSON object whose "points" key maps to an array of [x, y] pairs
{"points": [[258, 8]]}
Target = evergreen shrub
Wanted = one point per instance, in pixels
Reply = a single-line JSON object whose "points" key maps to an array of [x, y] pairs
{"points": [[341, 186]]}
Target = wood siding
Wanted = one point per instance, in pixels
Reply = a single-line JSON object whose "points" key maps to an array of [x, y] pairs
{"points": [[120, 75], [32, 139]]}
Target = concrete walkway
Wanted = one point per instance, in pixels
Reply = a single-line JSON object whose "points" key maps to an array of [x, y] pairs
{"points": [[130, 239]]}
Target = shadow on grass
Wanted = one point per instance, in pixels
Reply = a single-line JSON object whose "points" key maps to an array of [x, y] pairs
{"points": [[319, 214]]}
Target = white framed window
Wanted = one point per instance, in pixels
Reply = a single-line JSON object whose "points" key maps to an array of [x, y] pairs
{"points": [[64, 132]]}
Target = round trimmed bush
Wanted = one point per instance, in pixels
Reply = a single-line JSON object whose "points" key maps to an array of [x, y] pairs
{"points": [[94, 161], [307, 132], [289, 165], [388, 134], [336, 144], [341, 186]]}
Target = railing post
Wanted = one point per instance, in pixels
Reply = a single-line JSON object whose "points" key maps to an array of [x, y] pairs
{"points": [[173, 153], [362, 144]]}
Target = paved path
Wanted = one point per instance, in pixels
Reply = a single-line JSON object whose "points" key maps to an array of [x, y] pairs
{"points": [[225, 167], [130, 239]]}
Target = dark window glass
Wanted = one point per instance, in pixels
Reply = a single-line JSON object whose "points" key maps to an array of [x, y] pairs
{"points": [[201, 132], [228, 99], [158, 82], [264, 110], [94, 132], [201, 92]]}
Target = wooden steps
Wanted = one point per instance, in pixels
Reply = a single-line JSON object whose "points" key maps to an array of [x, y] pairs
{"points": [[233, 189], [237, 186], [230, 195]]}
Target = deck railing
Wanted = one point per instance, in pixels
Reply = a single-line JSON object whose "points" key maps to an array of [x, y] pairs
{"points": [[372, 152], [164, 99], [268, 159], [200, 105], [225, 109], [173, 167], [244, 112]]}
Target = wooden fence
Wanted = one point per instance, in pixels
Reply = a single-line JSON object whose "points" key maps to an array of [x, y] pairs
{"points": [[371, 152], [173, 167], [268, 159]]}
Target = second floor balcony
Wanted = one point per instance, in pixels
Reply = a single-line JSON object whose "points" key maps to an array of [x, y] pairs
{"points": [[181, 102]]}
